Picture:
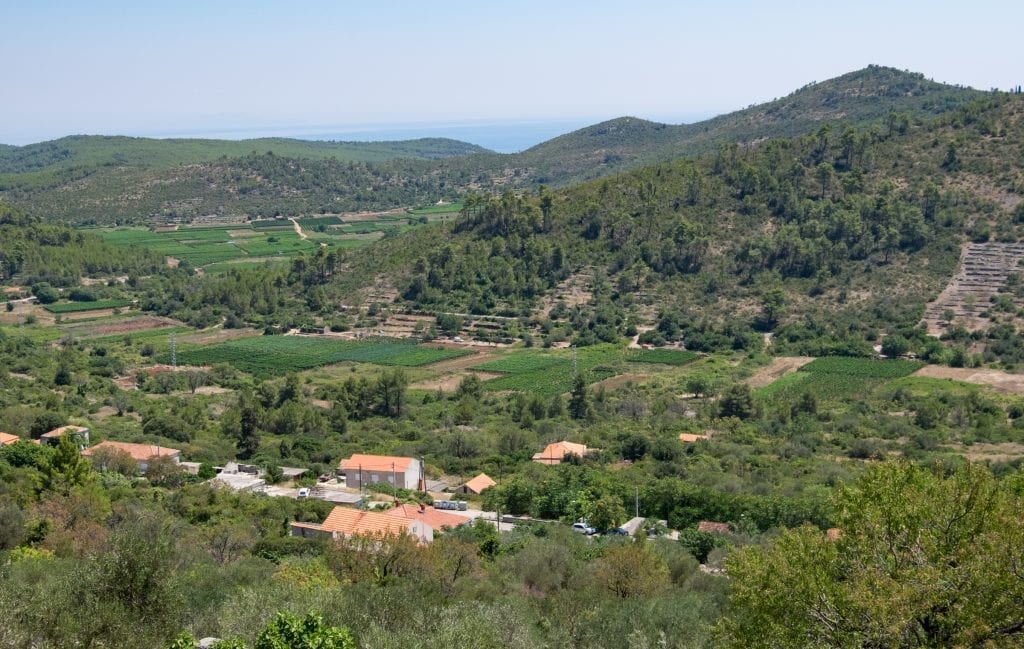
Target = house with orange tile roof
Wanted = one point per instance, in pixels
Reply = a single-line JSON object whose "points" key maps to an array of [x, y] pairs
{"points": [[477, 485], [714, 528], [556, 452], [432, 517], [141, 453], [344, 522], [7, 438], [52, 437], [401, 472]]}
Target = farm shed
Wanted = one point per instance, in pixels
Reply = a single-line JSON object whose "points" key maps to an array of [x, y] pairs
{"points": [[477, 485], [554, 453]]}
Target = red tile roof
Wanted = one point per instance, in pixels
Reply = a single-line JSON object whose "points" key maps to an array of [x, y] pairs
{"points": [[347, 521], [432, 517], [553, 453], [138, 452], [7, 438], [714, 528], [479, 483], [377, 463]]}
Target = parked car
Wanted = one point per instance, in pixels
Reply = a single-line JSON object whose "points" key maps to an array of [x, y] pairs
{"points": [[583, 528], [304, 492], [619, 531]]}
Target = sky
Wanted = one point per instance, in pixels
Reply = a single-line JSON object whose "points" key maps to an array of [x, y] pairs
{"points": [[246, 69]]}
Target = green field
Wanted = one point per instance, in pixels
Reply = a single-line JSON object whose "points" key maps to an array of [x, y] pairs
{"points": [[550, 372], [838, 377], [274, 355], [862, 367], [665, 356], [437, 209], [312, 222], [262, 240], [77, 307]]}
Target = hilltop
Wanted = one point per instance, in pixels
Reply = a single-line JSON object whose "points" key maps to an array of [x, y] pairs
{"points": [[872, 95], [128, 179]]}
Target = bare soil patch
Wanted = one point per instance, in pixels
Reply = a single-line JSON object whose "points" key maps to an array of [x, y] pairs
{"points": [[462, 362], [450, 382], [145, 323], [172, 262], [616, 382], [218, 335], [94, 281], [369, 216], [778, 368], [1003, 452], [452, 371], [87, 315], [243, 233], [104, 412], [212, 389], [996, 379]]}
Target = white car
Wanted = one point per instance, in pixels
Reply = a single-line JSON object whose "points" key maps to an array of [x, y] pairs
{"points": [[304, 492], [583, 528]]}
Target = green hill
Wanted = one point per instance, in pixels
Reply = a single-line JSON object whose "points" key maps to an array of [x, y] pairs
{"points": [[103, 150], [867, 96], [832, 237], [103, 180]]}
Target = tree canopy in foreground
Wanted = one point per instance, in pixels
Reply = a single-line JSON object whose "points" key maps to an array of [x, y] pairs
{"points": [[922, 560]]}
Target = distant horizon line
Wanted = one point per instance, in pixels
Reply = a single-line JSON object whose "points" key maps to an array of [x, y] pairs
{"points": [[367, 131]]}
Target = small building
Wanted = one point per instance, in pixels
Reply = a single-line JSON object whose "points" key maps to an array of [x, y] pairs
{"points": [[712, 527], [401, 472], [7, 438], [344, 522], [143, 454], [690, 438], [477, 485], [52, 437], [554, 453]]}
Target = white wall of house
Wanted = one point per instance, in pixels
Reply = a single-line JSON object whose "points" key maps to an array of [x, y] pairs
{"points": [[409, 479]]}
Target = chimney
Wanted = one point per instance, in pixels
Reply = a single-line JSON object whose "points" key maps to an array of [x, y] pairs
{"points": [[423, 508]]}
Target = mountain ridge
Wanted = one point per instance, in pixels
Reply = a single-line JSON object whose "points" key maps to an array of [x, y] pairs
{"points": [[111, 189]]}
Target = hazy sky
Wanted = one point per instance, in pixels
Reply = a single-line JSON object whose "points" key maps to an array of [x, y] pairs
{"points": [[188, 66]]}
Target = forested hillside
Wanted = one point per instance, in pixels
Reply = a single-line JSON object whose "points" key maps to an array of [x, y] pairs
{"points": [[36, 252], [103, 180], [848, 230]]}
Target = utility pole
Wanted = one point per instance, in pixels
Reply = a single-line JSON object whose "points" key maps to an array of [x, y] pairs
{"points": [[575, 369], [637, 502], [174, 351]]}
